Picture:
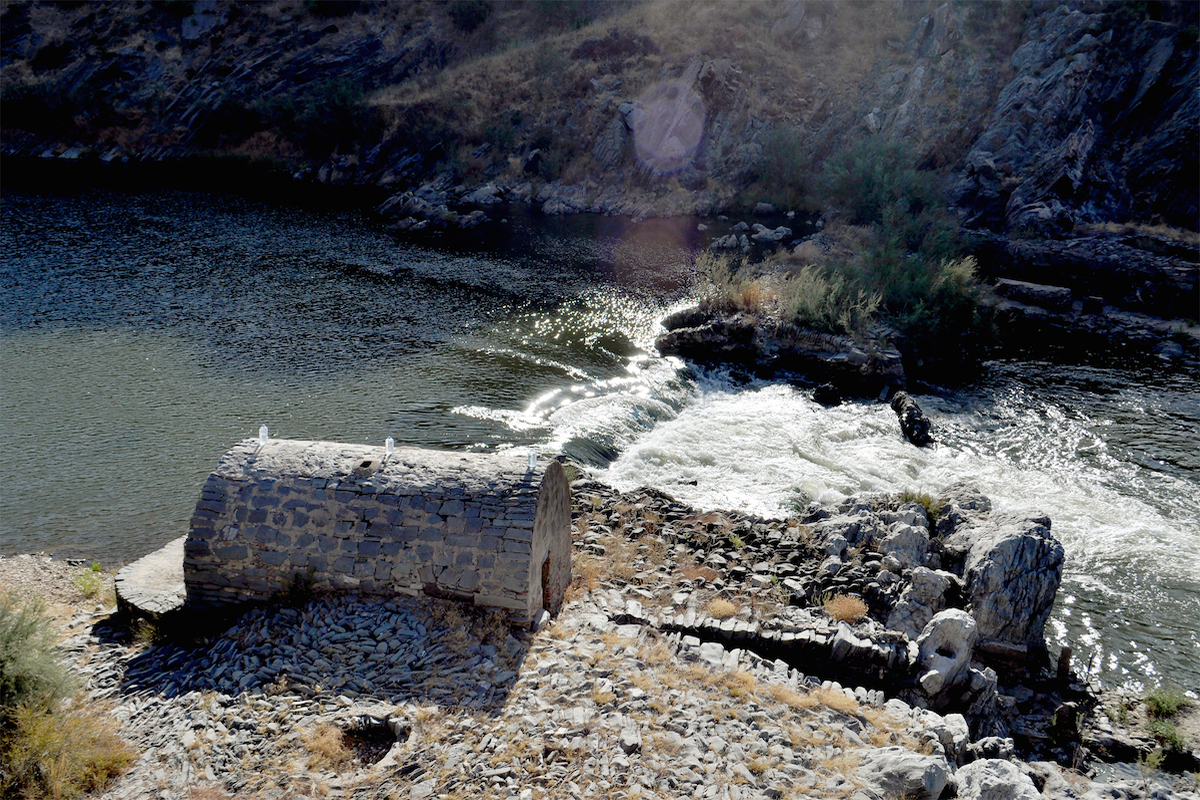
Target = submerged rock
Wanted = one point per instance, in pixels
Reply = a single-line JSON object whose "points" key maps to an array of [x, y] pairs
{"points": [[913, 421]]}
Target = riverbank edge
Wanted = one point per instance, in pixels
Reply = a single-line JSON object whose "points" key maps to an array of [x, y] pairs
{"points": [[1034, 319], [623, 607]]}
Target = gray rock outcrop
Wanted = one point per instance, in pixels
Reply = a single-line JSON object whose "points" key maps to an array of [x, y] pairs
{"points": [[897, 772], [1012, 567], [924, 597], [1098, 122], [994, 779]]}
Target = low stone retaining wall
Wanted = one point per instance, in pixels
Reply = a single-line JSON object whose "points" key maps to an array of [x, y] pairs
{"points": [[484, 528]]}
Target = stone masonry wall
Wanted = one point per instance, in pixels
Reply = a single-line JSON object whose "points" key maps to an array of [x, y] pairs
{"points": [[478, 527]]}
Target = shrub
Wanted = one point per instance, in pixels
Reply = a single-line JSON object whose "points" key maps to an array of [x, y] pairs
{"points": [[29, 673], [782, 175], [1168, 733], [46, 750], [933, 507], [865, 180], [725, 287], [826, 300], [320, 117], [90, 581], [1164, 701], [845, 608], [720, 608], [60, 754]]}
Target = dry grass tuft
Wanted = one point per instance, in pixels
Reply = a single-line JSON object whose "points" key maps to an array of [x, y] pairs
{"points": [[837, 701], [720, 608], [692, 571], [326, 746], [602, 696], [1142, 229], [740, 683], [845, 608], [789, 697]]}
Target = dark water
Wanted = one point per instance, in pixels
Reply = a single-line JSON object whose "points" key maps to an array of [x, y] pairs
{"points": [[142, 334]]}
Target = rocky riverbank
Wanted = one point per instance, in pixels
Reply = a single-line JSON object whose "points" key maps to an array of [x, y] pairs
{"points": [[695, 657]]}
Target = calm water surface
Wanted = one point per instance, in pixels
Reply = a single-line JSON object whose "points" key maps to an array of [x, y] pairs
{"points": [[142, 334]]}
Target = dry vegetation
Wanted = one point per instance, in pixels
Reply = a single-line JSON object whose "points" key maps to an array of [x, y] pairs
{"points": [[845, 608], [326, 746], [1142, 229], [536, 89]]}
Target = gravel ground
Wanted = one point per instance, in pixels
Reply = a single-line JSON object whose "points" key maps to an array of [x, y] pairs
{"points": [[57, 582]]}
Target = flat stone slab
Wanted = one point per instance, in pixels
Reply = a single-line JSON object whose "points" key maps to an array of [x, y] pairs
{"points": [[153, 585]]}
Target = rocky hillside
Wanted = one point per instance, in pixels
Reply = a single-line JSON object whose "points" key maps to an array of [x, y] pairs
{"points": [[1040, 116]]}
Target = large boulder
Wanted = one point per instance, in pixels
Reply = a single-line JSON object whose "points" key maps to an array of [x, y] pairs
{"points": [[897, 772], [993, 779], [944, 652], [1012, 567]]}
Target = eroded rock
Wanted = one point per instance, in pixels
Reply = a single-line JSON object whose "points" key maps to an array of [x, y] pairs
{"points": [[897, 772], [993, 779]]}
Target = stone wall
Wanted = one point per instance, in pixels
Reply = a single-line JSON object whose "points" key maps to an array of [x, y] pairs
{"points": [[484, 528]]}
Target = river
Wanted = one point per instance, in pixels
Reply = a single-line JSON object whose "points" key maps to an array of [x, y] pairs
{"points": [[143, 333]]}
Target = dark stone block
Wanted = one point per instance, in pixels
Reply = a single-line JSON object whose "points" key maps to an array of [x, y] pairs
{"points": [[368, 549], [274, 558], [194, 547]]}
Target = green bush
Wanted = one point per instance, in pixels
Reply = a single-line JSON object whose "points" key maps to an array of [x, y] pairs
{"points": [[782, 175], [30, 675], [90, 582], [48, 748], [865, 180], [826, 300], [319, 118], [1168, 733], [1164, 701]]}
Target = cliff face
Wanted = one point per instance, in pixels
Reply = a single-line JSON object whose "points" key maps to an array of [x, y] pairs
{"points": [[1040, 117], [1098, 124]]}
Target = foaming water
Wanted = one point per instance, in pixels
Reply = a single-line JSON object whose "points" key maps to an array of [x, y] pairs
{"points": [[1130, 524]]}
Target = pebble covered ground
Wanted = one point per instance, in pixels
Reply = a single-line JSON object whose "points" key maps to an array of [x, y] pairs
{"points": [[359, 697]]}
